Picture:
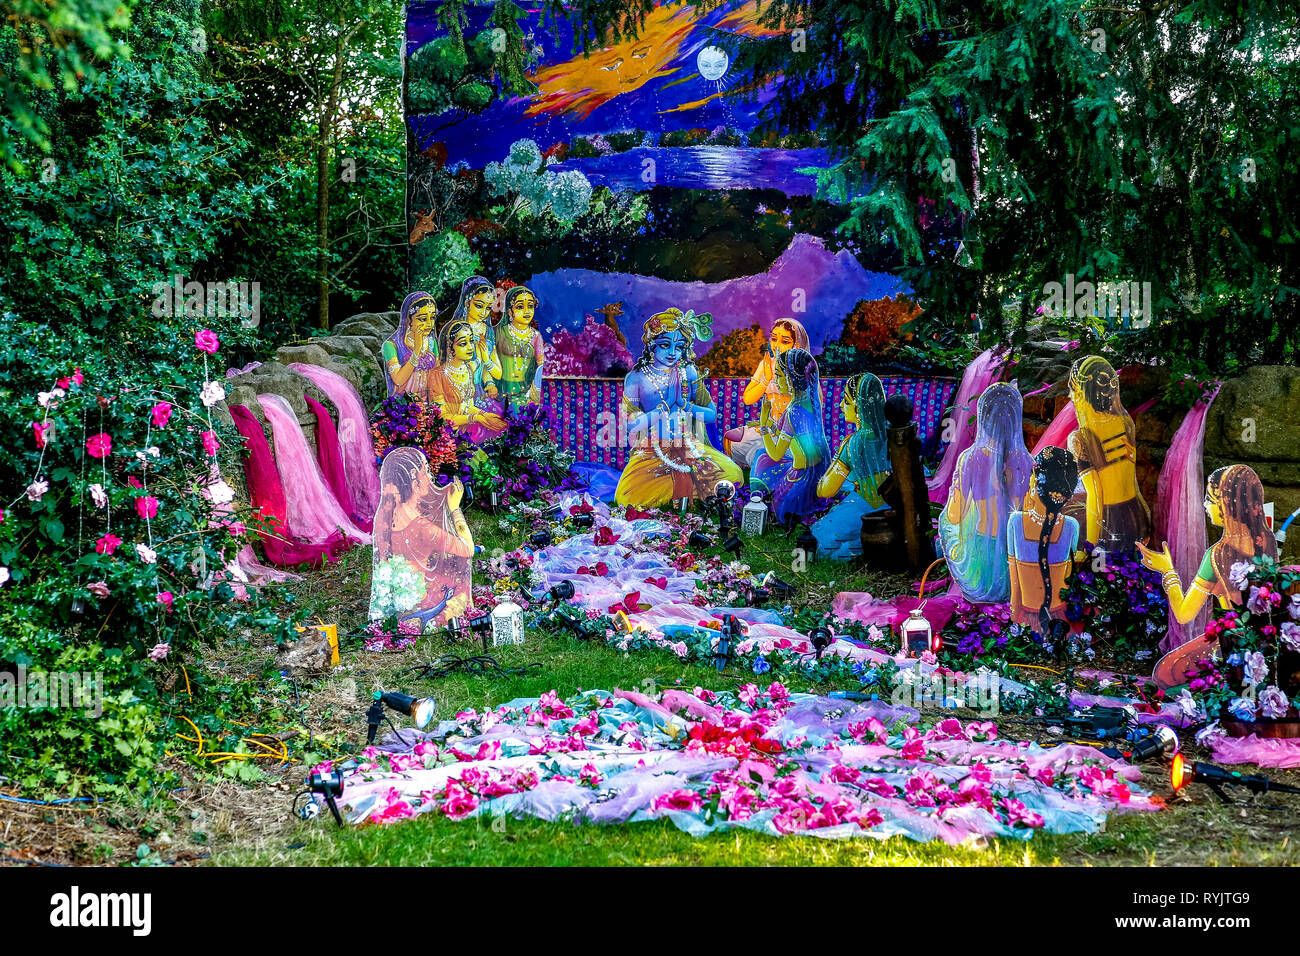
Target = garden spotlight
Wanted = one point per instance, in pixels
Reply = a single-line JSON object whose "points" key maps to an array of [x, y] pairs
{"points": [[329, 785], [699, 540], [1181, 773], [732, 545], [419, 709], [561, 592], [821, 638]]}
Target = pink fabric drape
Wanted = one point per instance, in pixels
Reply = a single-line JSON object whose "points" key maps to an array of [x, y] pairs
{"points": [[1280, 752], [979, 375], [266, 493], [355, 444], [310, 507], [330, 460], [1180, 515], [860, 606], [259, 573]]}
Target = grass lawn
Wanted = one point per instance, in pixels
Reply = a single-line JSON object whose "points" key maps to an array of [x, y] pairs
{"points": [[221, 821], [1193, 830]]}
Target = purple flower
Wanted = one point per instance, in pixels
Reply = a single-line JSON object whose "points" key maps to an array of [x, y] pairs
{"points": [[1237, 575], [1273, 704], [1242, 709], [1291, 635], [1256, 668]]}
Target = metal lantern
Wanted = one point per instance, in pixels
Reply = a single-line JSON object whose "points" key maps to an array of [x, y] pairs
{"points": [[753, 517], [916, 634], [507, 624]]}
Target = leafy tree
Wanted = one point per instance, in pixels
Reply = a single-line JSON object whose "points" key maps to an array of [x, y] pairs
{"points": [[142, 188], [328, 75], [44, 47]]}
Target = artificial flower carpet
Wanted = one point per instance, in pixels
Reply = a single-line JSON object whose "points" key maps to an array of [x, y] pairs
{"points": [[764, 760]]}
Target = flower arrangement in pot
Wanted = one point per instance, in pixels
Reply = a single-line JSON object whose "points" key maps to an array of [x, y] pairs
{"points": [[1257, 676]]}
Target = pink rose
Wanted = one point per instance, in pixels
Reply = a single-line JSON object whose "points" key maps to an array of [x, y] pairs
{"points": [[146, 506], [682, 800], [161, 412], [41, 431], [159, 652], [98, 588], [210, 443], [99, 446], [205, 340], [165, 598], [107, 544]]}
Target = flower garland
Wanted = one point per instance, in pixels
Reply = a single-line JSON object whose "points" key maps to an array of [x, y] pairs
{"points": [[757, 758]]}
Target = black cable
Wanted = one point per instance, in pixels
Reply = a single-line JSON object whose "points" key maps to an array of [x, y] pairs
{"points": [[397, 732], [15, 859]]}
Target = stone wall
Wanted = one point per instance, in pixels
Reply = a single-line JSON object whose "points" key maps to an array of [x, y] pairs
{"points": [[1255, 420]]}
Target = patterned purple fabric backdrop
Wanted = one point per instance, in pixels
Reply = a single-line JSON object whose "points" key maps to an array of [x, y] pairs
{"points": [[587, 411]]}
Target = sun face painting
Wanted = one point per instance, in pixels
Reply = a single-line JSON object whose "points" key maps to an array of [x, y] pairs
{"points": [[675, 75], [581, 84]]}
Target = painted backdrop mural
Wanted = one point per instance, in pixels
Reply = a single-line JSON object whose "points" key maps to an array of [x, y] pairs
{"points": [[634, 179]]}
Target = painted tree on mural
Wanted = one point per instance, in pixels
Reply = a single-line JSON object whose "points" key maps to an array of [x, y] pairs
{"points": [[1148, 142]]}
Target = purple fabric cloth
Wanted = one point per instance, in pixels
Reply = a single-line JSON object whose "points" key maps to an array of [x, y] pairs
{"points": [[806, 770], [1281, 753]]}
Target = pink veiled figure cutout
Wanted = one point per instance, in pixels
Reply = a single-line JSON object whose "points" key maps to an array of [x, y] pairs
{"points": [[1180, 513], [979, 375], [423, 548]]}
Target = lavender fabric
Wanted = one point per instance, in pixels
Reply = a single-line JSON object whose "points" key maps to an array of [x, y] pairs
{"points": [[1262, 751], [650, 764], [979, 375], [355, 444]]}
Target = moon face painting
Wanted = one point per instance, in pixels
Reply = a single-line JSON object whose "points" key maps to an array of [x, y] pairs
{"points": [[712, 62]]}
